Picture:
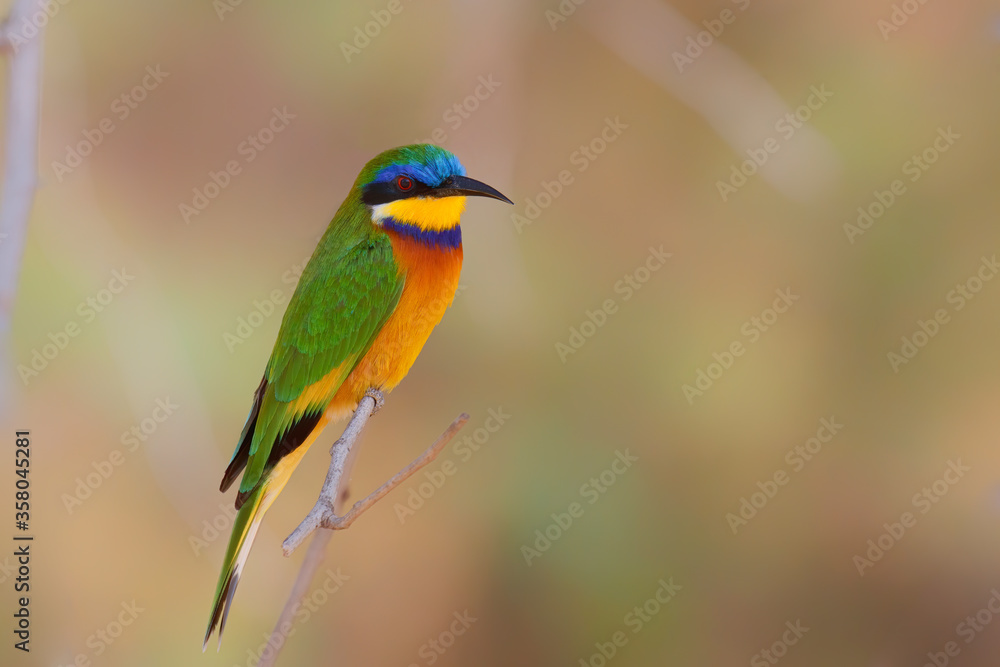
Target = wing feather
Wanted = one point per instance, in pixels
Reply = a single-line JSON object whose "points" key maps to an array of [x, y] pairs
{"points": [[342, 301]]}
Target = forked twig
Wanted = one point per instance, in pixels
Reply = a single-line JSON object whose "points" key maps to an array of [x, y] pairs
{"points": [[323, 515]]}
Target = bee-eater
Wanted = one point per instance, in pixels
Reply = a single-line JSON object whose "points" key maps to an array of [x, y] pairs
{"points": [[359, 317]]}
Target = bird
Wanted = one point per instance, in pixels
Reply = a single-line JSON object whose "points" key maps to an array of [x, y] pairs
{"points": [[364, 306]]}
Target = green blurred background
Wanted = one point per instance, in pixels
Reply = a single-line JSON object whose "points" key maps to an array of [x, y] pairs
{"points": [[142, 536]]}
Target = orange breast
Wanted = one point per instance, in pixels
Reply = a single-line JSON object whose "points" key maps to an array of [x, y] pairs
{"points": [[431, 275]]}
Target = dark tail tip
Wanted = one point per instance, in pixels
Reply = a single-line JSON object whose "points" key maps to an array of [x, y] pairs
{"points": [[220, 612]]}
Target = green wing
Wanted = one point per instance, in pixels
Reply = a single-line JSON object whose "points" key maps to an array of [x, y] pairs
{"points": [[342, 301]]}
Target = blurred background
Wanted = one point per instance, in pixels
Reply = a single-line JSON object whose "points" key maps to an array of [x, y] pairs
{"points": [[730, 360]]}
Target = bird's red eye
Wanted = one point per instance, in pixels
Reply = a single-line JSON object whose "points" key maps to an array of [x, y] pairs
{"points": [[404, 183]]}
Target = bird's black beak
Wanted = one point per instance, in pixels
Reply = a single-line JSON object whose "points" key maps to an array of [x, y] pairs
{"points": [[460, 186]]}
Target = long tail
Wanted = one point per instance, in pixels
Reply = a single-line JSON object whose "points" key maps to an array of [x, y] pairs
{"points": [[244, 530]]}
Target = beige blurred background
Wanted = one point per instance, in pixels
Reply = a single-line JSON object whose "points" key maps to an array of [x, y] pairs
{"points": [[678, 116]]}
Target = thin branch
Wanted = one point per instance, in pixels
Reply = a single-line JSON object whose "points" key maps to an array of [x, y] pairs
{"points": [[324, 514], [20, 158], [340, 522], [339, 454]]}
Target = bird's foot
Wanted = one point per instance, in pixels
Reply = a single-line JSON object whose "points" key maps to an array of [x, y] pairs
{"points": [[378, 397]]}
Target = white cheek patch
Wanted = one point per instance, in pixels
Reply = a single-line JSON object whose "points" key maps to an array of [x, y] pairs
{"points": [[380, 212]]}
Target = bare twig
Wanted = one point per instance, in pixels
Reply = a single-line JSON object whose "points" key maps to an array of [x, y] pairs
{"points": [[339, 454], [324, 514], [334, 522], [20, 159]]}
